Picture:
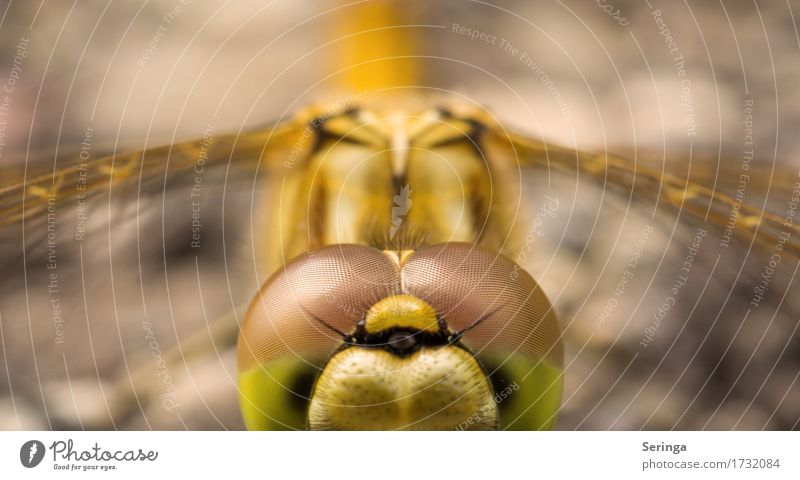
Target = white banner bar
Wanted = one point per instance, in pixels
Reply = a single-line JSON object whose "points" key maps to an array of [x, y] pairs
{"points": [[399, 455]]}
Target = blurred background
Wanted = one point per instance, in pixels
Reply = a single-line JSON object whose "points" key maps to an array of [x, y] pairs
{"points": [[705, 90]]}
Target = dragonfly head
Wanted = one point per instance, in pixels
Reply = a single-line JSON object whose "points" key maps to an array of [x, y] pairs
{"points": [[447, 336]]}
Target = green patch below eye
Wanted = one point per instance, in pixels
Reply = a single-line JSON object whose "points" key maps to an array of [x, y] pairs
{"points": [[274, 396], [527, 391]]}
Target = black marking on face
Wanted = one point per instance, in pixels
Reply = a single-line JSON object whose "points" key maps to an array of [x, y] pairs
{"points": [[301, 388], [402, 342], [500, 380]]}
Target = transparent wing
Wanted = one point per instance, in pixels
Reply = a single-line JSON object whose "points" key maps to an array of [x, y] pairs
{"points": [[698, 195], [26, 193]]}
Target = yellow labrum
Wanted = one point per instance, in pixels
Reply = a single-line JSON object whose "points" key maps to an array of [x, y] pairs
{"points": [[401, 311]]}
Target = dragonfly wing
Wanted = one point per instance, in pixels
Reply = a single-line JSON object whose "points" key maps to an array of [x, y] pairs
{"points": [[757, 182], [26, 193], [690, 196]]}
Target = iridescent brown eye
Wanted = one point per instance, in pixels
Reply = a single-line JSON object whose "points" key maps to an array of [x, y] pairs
{"points": [[464, 283], [300, 309]]}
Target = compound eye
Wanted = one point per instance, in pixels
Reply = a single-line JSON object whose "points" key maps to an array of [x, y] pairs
{"points": [[497, 303], [295, 323], [509, 324], [304, 308]]}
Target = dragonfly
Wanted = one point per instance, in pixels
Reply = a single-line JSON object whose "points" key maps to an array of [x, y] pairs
{"points": [[394, 295]]}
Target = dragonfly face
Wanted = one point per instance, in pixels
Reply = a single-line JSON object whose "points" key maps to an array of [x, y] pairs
{"points": [[420, 332], [443, 337]]}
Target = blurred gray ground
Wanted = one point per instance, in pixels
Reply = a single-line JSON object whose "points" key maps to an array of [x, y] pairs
{"points": [[598, 81]]}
